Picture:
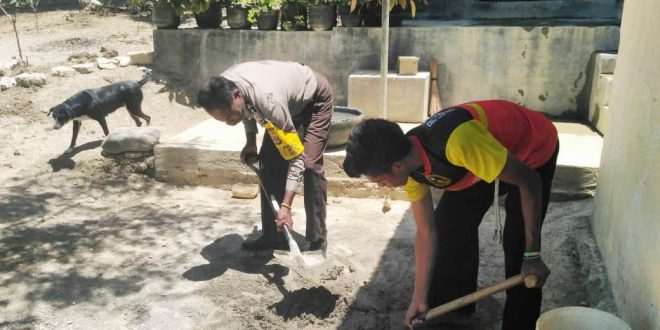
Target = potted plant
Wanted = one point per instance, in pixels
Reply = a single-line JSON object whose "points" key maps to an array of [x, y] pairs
{"points": [[265, 14], [237, 14], [208, 13], [294, 15], [371, 10], [166, 14], [322, 15], [349, 17]]}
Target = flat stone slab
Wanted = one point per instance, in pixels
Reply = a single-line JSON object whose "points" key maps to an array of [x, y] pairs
{"points": [[208, 154]]}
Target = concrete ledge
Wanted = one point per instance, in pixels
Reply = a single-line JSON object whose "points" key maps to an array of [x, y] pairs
{"points": [[578, 161], [208, 154], [603, 76]]}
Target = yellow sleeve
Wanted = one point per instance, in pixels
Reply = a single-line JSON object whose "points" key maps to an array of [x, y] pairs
{"points": [[472, 146], [415, 190]]}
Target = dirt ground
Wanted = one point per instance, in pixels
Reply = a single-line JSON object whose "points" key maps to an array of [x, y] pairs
{"points": [[89, 242]]}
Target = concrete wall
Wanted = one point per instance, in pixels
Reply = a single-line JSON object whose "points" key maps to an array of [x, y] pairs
{"points": [[544, 67], [459, 9], [626, 219]]}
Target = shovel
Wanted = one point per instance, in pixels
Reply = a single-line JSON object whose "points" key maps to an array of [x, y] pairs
{"points": [[529, 281], [292, 258]]}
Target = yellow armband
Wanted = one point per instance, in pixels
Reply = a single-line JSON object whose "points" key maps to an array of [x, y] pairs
{"points": [[287, 143]]}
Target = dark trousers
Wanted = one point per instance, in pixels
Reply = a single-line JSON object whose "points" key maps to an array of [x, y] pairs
{"points": [[457, 218], [314, 124]]}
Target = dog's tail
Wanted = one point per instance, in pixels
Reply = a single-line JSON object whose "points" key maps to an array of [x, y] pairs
{"points": [[145, 78]]}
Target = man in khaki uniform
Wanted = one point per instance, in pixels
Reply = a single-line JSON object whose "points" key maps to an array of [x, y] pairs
{"points": [[295, 99]]}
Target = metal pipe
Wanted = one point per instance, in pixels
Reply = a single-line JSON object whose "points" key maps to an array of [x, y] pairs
{"points": [[384, 54]]}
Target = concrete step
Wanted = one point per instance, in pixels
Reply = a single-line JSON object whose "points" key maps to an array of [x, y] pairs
{"points": [[208, 154]]}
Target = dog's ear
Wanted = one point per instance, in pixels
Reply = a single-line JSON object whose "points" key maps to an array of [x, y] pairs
{"points": [[49, 112]]}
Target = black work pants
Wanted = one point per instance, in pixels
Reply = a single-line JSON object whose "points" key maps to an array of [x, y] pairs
{"points": [[457, 218], [314, 124]]}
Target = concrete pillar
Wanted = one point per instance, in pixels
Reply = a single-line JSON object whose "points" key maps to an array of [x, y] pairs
{"points": [[626, 219]]}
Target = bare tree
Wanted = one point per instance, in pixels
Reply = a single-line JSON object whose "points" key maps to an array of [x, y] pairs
{"points": [[15, 5]]}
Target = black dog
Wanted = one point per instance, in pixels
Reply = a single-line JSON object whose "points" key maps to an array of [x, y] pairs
{"points": [[97, 103]]}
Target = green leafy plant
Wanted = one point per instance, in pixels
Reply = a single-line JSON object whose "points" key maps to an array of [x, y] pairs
{"points": [[296, 2], [297, 23], [404, 4], [240, 3], [262, 6], [136, 6], [195, 6], [321, 2]]}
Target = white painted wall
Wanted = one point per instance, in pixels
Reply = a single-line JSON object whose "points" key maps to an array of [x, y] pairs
{"points": [[626, 220]]}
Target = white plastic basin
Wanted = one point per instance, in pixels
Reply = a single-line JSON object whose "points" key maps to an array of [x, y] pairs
{"points": [[581, 318]]}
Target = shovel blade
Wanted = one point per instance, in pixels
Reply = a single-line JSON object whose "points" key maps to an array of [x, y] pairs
{"points": [[300, 260]]}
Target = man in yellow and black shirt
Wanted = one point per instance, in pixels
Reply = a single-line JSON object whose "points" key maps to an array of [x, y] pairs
{"points": [[466, 150]]}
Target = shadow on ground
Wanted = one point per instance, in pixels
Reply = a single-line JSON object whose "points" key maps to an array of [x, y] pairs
{"points": [[67, 239], [65, 160]]}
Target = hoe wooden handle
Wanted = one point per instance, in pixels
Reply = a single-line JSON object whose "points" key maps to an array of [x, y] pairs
{"points": [[530, 282]]}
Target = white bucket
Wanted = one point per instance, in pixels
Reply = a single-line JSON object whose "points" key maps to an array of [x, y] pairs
{"points": [[581, 318]]}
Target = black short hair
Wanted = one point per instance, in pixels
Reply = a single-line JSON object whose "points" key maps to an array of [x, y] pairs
{"points": [[217, 92], [373, 146]]}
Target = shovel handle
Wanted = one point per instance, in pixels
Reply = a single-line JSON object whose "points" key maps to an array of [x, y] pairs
{"points": [[530, 281], [276, 210], [275, 207]]}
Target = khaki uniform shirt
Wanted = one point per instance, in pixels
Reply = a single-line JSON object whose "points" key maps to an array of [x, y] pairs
{"points": [[280, 91]]}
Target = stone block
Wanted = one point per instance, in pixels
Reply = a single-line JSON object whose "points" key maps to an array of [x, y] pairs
{"points": [[407, 96], [602, 79], [106, 63], [131, 139], [31, 79], [84, 68], [407, 65], [123, 60], [245, 190], [7, 83], [606, 62], [62, 71], [142, 58]]}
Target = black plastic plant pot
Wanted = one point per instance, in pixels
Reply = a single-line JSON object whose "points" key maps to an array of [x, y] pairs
{"points": [[268, 20], [211, 18], [237, 17], [322, 17]]}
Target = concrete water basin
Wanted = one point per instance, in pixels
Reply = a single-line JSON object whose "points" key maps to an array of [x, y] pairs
{"points": [[343, 121]]}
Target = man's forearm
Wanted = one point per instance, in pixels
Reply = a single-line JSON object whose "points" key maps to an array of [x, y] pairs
{"points": [[425, 246], [530, 200], [425, 252]]}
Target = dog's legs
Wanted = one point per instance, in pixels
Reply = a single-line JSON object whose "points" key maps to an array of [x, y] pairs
{"points": [[138, 123], [76, 129], [104, 126], [134, 107], [136, 113]]}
